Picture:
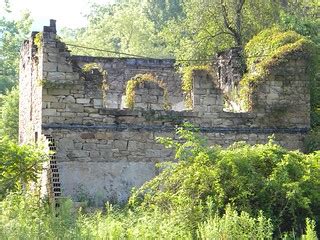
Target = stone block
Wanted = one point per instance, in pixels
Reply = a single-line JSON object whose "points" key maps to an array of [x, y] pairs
{"points": [[48, 98], [56, 76], [94, 154], [89, 146], [67, 68], [69, 99], [56, 119], [49, 112], [53, 57], [97, 103], [68, 114], [104, 135], [72, 76], [74, 107], [153, 153], [58, 105], [90, 110], [58, 92], [87, 135], [82, 114], [83, 100], [50, 67], [73, 155], [120, 144]]}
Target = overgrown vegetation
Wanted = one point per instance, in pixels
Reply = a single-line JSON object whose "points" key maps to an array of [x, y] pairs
{"points": [[21, 218], [9, 114], [19, 165], [134, 82], [243, 192], [269, 48], [282, 184], [12, 33], [187, 82]]}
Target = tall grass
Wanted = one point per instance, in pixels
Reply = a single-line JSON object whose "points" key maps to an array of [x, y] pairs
{"points": [[23, 216]]}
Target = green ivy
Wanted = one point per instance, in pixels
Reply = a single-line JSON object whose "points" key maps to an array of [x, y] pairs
{"points": [[187, 82], [88, 67], [38, 40], [133, 83], [270, 48]]}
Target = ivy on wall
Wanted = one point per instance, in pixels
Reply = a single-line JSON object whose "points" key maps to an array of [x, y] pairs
{"points": [[187, 82], [269, 48], [133, 83]]}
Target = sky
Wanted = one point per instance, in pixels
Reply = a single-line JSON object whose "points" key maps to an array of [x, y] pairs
{"points": [[68, 13]]}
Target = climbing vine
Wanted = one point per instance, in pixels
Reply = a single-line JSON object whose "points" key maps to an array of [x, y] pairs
{"points": [[187, 82], [269, 48], [133, 83], [88, 67], [38, 38]]}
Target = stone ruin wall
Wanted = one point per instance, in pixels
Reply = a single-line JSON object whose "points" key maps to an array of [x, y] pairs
{"points": [[104, 149]]}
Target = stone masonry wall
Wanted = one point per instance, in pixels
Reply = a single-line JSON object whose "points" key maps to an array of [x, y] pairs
{"points": [[30, 102], [104, 149]]}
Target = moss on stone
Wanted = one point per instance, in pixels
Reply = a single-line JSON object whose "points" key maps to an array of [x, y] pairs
{"points": [[268, 49], [140, 78], [38, 40], [187, 82], [88, 67]]}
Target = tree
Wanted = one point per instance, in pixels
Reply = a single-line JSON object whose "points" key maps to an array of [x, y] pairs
{"points": [[12, 33], [121, 27], [18, 165], [215, 25], [9, 118], [160, 12]]}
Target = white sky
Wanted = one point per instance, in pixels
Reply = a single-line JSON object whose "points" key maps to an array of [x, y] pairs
{"points": [[68, 13]]}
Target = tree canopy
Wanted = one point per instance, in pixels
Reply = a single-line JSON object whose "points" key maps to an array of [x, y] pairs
{"points": [[12, 33]]}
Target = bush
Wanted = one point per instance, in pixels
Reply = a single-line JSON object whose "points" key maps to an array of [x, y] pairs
{"points": [[9, 118], [283, 184], [235, 226], [18, 165], [24, 216]]}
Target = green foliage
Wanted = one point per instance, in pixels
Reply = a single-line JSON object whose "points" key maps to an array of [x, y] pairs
{"points": [[122, 26], [306, 26], [24, 216], [9, 119], [38, 40], [235, 226], [187, 82], [281, 183], [133, 83], [12, 33], [310, 230], [312, 140], [267, 49], [18, 165], [213, 26], [90, 66]]}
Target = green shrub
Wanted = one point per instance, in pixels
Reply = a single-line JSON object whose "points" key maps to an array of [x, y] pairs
{"points": [[310, 230], [19, 164], [235, 226], [9, 114], [312, 140], [23, 216], [283, 184]]}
